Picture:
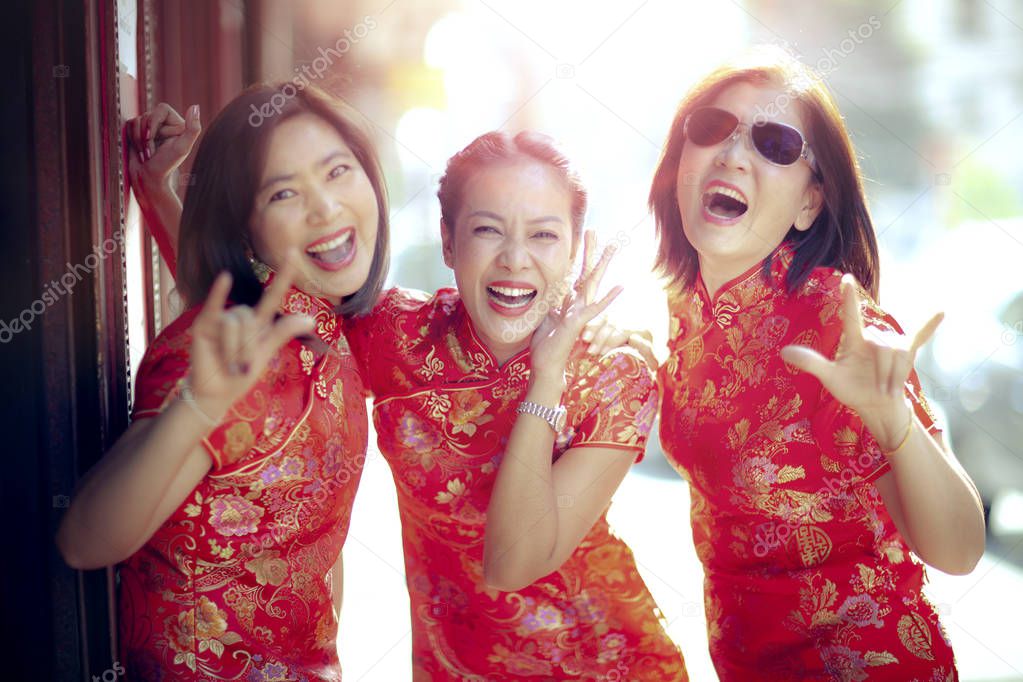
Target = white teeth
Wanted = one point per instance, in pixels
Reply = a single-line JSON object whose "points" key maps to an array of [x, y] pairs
{"points": [[332, 244], [728, 192], [509, 291]]}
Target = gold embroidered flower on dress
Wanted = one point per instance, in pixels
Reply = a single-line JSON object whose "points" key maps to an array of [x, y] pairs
{"points": [[269, 568]]}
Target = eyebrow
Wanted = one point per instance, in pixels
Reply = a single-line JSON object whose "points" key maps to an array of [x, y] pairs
{"points": [[494, 216], [333, 156]]}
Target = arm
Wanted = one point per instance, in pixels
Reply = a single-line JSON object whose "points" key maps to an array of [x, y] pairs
{"points": [[539, 512], [157, 462], [934, 504], [931, 499], [525, 499], [120, 502], [160, 141]]}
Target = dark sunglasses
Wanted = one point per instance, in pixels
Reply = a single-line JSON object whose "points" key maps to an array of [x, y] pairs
{"points": [[779, 143]]}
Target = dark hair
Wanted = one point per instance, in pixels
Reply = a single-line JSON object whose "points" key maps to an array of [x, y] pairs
{"points": [[842, 236], [228, 164], [500, 147]]}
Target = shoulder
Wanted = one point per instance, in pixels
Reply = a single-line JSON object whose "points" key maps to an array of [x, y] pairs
{"points": [[170, 349], [398, 303], [620, 370], [817, 305], [164, 364]]}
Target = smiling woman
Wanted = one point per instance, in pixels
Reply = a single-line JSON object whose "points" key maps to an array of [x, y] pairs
{"points": [[818, 474], [506, 440], [227, 501]]}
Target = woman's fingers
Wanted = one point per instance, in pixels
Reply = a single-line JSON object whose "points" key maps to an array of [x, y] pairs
{"points": [[808, 360], [230, 339], [589, 245], [284, 330], [208, 318], [603, 336], [273, 295], [594, 309], [598, 272], [250, 333], [926, 332], [185, 135], [163, 115]]}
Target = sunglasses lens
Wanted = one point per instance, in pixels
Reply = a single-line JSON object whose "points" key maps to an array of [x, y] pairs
{"points": [[709, 126], [779, 144]]}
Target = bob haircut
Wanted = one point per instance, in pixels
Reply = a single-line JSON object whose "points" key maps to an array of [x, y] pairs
{"points": [[842, 236], [215, 218], [499, 147]]}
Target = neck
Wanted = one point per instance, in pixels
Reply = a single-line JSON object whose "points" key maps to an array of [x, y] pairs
{"points": [[506, 352]]}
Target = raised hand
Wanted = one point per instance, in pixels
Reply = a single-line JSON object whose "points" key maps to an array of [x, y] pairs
{"points": [[869, 372], [553, 340], [161, 140], [231, 348]]}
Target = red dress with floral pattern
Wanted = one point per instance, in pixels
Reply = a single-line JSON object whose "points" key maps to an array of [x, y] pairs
{"points": [[806, 575], [235, 584], [444, 410]]}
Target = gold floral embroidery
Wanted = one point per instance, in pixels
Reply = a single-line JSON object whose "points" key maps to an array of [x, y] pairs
{"points": [[432, 366], [337, 398], [915, 635], [468, 412], [269, 567], [455, 488], [239, 440]]}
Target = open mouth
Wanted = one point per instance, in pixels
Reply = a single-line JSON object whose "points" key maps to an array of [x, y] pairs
{"points": [[511, 297], [724, 202], [333, 250]]}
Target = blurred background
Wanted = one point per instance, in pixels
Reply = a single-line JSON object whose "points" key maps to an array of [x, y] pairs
{"points": [[932, 92]]}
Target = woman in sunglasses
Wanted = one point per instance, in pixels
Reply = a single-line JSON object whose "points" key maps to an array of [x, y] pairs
{"points": [[818, 475]]}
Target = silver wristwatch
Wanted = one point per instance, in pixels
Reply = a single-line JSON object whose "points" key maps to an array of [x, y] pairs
{"points": [[554, 416]]}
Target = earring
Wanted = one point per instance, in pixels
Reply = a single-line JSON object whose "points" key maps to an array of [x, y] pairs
{"points": [[260, 269]]}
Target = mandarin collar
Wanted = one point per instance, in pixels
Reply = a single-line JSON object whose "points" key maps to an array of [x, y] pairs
{"points": [[467, 348], [747, 290]]}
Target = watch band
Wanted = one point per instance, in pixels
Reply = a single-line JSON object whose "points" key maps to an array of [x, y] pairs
{"points": [[554, 416]]}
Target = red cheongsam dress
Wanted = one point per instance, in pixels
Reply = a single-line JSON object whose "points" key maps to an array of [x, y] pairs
{"points": [[235, 584], [807, 577], [444, 410]]}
